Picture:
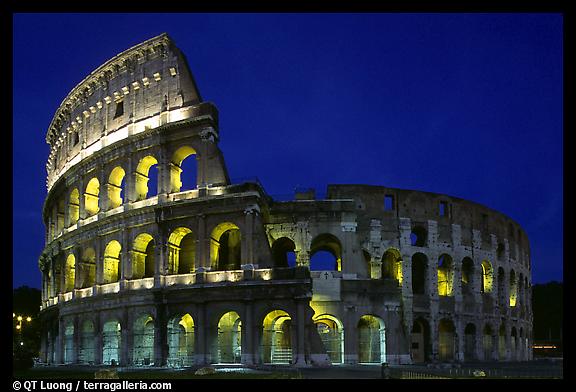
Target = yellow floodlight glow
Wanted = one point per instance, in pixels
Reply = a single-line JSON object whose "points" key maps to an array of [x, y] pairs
{"points": [[28, 318], [19, 318]]}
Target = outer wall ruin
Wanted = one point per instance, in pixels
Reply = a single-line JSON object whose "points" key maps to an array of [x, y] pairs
{"points": [[142, 269]]}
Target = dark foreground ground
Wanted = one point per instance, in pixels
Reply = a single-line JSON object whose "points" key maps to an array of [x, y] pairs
{"points": [[538, 369]]}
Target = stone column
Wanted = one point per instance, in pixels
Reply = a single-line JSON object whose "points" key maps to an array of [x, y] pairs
{"points": [[248, 335], [302, 243], [82, 199], [60, 341], [125, 259], [351, 335], [160, 257], [300, 357], [200, 348], [202, 245], [160, 337], [77, 340], [126, 339], [347, 257], [98, 340], [247, 249]]}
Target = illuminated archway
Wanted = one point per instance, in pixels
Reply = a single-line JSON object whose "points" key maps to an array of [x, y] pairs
{"points": [[277, 338], [230, 338], [181, 341], [371, 340], [115, 187], [74, 206], [325, 253], [445, 275], [225, 247], [69, 273], [176, 169], [111, 268], [283, 252], [392, 265], [446, 340], [513, 289], [91, 197], [331, 333], [181, 251], [87, 352], [111, 343], [143, 341], [467, 276], [143, 263], [141, 176], [486, 278], [513, 344], [88, 268]]}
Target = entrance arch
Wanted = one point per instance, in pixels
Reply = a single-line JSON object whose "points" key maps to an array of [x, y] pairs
{"points": [[371, 340], [446, 337], [111, 342], [226, 247], [143, 341], [181, 341], [229, 338], [331, 333], [277, 338]]}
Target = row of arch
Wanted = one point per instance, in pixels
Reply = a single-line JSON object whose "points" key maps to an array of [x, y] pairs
{"points": [[478, 344], [276, 346], [145, 185]]}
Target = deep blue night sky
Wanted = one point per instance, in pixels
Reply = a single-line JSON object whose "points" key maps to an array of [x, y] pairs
{"points": [[468, 105]]}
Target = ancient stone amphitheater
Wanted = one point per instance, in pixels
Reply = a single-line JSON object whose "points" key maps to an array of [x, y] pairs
{"points": [[142, 269]]}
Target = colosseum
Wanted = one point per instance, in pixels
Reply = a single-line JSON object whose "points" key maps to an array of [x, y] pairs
{"points": [[141, 268]]}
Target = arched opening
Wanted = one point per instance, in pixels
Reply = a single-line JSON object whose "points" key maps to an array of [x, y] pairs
{"points": [[230, 338], [513, 289], [111, 338], [277, 338], [331, 333], [183, 170], [111, 268], [283, 252], [143, 256], [487, 342], [513, 344], [87, 349], [467, 276], [88, 268], [420, 341], [225, 247], [143, 175], [69, 273], [502, 343], [91, 197], [371, 340], [181, 341], [69, 343], [60, 216], [115, 187], [74, 206], [392, 265], [470, 342], [143, 340], [418, 236], [181, 251], [486, 278], [445, 275], [325, 253], [500, 251], [446, 337], [419, 271]]}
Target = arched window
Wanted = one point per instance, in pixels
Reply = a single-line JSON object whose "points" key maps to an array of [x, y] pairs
{"points": [[226, 247], [371, 340], [183, 169], [419, 268], [513, 289], [277, 338], [91, 197], [111, 339], [87, 347], [418, 236], [230, 338], [486, 282], [420, 341], [283, 252], [331, 333], [69, 273], [181, 341], [115, 187], [325, 253], [487, 343], [143, 263], [502, 343], [69, 343], [88, 268], [470, 342], [111, 272], [445, 275], [74, 206], [446, 337], [392, 265], [467, 276], [181, 251], [143, 340], [142, 176]]}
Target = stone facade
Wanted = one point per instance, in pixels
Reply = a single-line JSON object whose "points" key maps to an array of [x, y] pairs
{"points": [[144, 274]]}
